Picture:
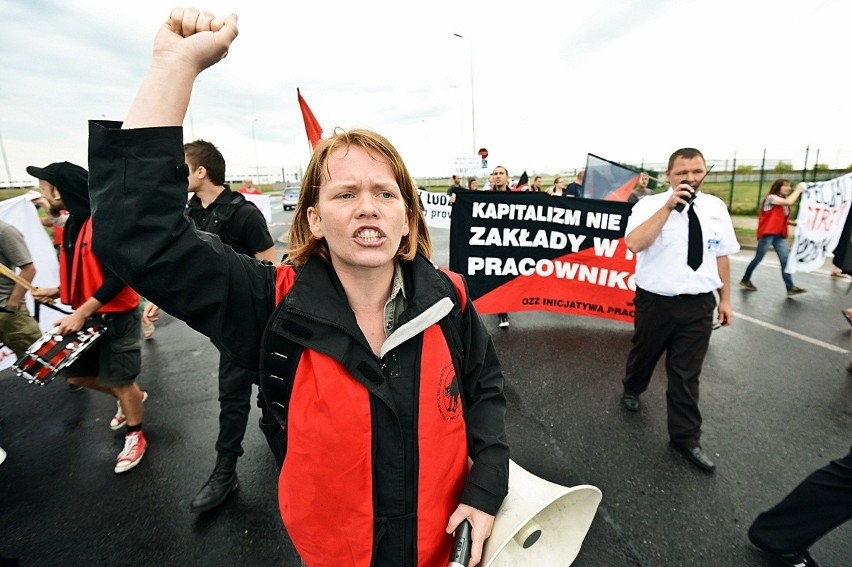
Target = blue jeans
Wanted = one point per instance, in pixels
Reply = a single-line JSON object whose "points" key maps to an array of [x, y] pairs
{"points": [[780, 245]]}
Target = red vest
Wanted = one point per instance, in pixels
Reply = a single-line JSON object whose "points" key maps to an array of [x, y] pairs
{"points": [[325, 489], [57, 235], [772, 219], [87, 275]]}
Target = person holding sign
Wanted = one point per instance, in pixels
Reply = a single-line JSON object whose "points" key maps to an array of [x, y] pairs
{"points": [[500, 182], [772, 231], [558, 189], [575, 188], [682, 258], [641, 190], [456, 186]]}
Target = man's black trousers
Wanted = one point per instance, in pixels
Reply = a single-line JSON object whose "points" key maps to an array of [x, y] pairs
{"points": [[680, 327]]}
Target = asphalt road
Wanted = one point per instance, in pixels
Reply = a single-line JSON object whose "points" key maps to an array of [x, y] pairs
{"points": [[776, 399]]}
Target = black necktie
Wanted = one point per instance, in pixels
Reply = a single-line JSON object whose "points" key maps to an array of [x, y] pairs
{"points": [[695, 252]]}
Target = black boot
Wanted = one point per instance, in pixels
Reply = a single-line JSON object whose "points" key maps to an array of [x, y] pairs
{"points": [[221, 483]]}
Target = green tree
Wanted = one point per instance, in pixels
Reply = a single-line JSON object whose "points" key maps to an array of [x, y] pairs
{"points": [[783, 167]]}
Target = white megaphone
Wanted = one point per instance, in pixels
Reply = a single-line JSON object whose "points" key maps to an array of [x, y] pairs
{"points": [[540, 523]]}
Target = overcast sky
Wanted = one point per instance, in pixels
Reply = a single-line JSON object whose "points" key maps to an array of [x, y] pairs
{"points": [[627, 80]]}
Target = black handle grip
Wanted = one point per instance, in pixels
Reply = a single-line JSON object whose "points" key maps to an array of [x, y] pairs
{"points": [[460, 553]]}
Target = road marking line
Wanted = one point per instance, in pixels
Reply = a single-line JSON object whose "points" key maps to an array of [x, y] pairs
{"points": [[793, 334]]}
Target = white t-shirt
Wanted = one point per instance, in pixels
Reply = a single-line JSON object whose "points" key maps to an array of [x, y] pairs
{"points": [[661, 268]]}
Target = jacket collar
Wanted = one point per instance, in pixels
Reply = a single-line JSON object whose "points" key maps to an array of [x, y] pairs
{"points": [[315, 312]]}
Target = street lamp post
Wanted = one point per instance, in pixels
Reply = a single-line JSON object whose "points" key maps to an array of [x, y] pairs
{"points": [[461, 112], [189, 110], [472, 114], [6, 162], [254, 140]]}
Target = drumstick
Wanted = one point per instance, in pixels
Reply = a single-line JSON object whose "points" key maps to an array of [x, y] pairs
{"points": [[5, 271]]}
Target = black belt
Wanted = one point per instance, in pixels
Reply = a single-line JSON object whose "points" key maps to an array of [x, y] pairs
{"points": [[680, 296]]}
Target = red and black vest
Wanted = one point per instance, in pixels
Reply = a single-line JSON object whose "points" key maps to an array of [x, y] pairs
{"points": [[326, 485], [87, 275]]}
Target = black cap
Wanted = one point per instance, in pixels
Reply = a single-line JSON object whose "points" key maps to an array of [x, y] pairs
{"points": [[71, 180], [61, 174]]}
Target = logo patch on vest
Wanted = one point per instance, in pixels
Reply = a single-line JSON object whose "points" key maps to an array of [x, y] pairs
{"points": [[449, 394]]}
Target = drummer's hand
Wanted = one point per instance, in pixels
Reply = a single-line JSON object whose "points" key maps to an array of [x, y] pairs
{"points": [[70, 324], [151, 313], [45, 294]]}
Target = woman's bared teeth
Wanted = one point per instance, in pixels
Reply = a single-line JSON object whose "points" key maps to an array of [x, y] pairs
{"points": [[369, 234]]}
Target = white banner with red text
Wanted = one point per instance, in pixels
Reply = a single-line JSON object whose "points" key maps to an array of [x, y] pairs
{"points": [[822, 212]]}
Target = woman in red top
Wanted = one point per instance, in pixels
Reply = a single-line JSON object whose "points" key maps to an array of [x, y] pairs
{"points": [[772, 231]]}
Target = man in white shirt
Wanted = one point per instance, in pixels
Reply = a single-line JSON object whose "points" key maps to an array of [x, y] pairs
{"points": [[674, 293]]}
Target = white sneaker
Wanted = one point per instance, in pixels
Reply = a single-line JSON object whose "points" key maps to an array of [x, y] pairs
{"points": [[2, 455], [119, 420]]}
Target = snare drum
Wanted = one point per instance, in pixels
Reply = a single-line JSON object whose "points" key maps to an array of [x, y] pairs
{"points": [[51, 353]]}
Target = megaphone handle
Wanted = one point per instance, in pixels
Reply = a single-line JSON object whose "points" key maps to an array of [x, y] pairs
{"points": [[460, 553]]}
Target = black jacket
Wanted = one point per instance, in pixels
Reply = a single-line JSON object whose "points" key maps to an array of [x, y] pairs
{"points": [[236, 221], [230, 298]]}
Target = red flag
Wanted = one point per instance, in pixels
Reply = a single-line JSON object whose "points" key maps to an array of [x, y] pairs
{"points": [[312, 127], [523, 183]]}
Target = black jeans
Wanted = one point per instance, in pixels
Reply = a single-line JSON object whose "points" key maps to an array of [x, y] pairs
{"points": [[235, 385]]}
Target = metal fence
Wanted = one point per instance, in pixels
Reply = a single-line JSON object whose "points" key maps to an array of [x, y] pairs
{"points": [[742, 182]]}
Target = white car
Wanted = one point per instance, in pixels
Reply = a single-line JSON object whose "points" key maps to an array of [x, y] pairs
{"points": [[290, 197]]}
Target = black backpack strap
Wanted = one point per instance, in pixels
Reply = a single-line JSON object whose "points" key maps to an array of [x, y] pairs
{"points": [[222, 213], [457, 286]]}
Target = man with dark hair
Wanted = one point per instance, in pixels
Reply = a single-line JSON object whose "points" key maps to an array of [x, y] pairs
{"points": [[682, 258], [456, 186], [239, 224], [216, 209], [536, 184], [500, 179]]}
